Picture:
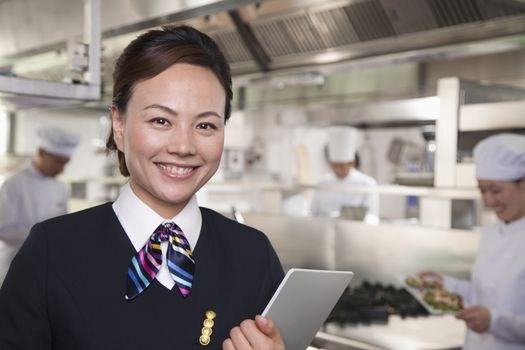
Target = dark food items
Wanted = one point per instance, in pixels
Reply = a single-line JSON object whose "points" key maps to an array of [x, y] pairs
{"points": [[373, 303]]}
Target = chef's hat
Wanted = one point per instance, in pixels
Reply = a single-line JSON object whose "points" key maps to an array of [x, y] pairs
{"points": [[500, 158], [57, 141], [342, 144]]}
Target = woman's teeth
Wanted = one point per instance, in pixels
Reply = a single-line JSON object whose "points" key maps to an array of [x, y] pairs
{"points": [[175, 170]]}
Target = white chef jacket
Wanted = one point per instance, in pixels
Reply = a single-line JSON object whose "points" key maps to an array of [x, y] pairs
{"points": [[498, 283], [28, 197], [330, 201]]}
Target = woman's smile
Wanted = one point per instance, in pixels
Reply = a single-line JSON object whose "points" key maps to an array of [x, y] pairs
{"points": [[174, 170]]}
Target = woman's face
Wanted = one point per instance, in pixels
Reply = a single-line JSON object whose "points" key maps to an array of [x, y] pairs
{"points": [[172, 135], [506, 198]]}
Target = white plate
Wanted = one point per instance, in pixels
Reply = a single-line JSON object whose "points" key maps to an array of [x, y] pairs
{"points": [[419, 294]]}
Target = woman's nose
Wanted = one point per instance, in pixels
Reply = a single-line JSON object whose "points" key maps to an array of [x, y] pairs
{"points": [[181, 143]]}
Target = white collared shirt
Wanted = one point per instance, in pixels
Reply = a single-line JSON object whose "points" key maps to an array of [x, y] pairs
{"points": [[140, 221]]}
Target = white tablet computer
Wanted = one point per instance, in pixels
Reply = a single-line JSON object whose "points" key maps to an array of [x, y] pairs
{"points": [[303, 301]]}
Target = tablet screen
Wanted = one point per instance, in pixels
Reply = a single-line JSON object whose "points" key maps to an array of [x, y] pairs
{"points": [[302, 303]]}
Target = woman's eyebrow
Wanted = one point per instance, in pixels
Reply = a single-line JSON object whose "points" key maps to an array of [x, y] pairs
{"points": [[162, 107], [175, 113], [208, 113]]}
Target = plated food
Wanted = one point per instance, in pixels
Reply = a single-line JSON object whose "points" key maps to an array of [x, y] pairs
{"points": [[423, 282], [429, 291], [442, 300]]}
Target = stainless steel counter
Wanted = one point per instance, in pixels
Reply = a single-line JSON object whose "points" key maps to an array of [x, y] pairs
{"points": [[377, 253], [420, 333]]}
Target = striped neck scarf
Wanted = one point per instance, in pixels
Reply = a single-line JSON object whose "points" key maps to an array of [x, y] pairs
{"points": [[145, 265]]}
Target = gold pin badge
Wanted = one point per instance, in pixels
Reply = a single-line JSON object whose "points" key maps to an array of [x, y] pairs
{"points": [[206, 331], [204, 339]]}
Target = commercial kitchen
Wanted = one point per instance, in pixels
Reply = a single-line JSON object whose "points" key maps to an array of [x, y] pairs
{"points": [[423, 81]]}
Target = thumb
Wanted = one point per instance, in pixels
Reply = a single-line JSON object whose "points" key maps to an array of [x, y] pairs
{"points": [[267, 326]]}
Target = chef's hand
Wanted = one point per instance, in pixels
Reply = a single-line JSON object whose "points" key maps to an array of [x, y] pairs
{"points": [[258, 334], [477, 318]]}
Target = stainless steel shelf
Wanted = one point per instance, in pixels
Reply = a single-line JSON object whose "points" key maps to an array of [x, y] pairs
{"points": [[49, 93], [50, 89], [489, 116], [435, 192]]}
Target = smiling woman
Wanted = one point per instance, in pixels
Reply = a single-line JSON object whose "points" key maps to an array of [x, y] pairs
{"points": [[152, 269], [172, 135]]}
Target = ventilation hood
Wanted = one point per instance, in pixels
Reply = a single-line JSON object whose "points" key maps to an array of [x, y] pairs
{"points": [[289, 34], [272, 37]]}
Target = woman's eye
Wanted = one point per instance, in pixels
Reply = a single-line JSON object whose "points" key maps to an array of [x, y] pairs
{"points": [[160, 121], [207, 126]]}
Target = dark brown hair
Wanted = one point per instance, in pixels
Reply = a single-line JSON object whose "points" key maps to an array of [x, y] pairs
{"points": [[155, 51]]}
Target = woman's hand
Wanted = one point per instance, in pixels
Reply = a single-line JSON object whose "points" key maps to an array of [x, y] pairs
{"points": [[476, 317], [258, 334]]}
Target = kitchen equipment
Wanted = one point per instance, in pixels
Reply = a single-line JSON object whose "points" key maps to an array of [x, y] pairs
{"points": [[374, 303], [352, 213]]}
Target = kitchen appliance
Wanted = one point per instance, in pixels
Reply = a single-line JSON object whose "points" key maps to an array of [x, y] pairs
{"points": [[348, 212], [414, 162]]}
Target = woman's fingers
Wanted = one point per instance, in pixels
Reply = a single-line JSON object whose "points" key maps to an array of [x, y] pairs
{"points": [[258, 334]]}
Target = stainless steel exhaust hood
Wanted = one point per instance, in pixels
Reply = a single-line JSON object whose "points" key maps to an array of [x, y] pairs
{"points": [[325, 32], [276, 36]]}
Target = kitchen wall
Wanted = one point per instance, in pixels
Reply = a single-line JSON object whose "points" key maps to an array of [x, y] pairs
{"points": [[291, 151]]}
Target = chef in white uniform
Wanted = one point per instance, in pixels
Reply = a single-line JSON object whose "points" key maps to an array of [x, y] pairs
{"points": [[495, 295], [32, 193], [342, 145]]}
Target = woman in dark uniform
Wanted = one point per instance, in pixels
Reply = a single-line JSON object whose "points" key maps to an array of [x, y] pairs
{"points": [[151, 270]]}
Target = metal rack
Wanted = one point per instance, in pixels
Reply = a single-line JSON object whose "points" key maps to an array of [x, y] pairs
{"points": [[50, 92], [466, 106]]}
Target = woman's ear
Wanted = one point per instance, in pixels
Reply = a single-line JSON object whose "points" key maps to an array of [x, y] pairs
{"points": [[117, 123]]}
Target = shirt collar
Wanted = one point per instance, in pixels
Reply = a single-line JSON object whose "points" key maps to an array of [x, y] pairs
{"points": [[514, 226], [139, 220], [33, 169]]}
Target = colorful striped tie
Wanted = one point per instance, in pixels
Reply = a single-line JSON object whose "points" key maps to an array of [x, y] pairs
{"points": [[146, 263]]}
